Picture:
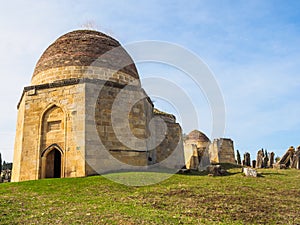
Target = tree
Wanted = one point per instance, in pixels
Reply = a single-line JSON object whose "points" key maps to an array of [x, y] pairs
{"points": [[238, 157], [0, 162], [4, 165]]}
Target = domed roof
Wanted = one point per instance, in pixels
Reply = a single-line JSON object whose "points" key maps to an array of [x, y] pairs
{"points": [[83, 48], [197, 136]]}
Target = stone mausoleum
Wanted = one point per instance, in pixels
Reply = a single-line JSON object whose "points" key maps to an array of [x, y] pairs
{"points": [[86, 113], [199, 151]]}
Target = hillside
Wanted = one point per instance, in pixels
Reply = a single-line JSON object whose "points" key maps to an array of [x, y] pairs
{"points": [[273, 198]]}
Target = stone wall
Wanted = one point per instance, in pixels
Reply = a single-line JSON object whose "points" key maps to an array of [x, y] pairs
{"points": [[80, 72], [126, 132], [192, 156], [18, 142], [114, 130], [194, 151], [222, 151], [172, 141], [226, 152], [38, 106], [213, 151]]}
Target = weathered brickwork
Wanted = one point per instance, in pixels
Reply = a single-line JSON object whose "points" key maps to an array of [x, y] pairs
{"points": [[78, 72], [172, 137], [195, 145], [84, 48], [222, 151]]}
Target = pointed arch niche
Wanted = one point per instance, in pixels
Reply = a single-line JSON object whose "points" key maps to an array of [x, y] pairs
{"points": [[52, 143]]}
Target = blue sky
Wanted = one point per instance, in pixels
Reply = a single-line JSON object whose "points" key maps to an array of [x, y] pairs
{"points": [[252, 47]]}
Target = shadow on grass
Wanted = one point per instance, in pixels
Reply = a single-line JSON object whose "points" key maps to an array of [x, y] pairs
{"points": [[226, 166], [266, 174], [204, 173]]}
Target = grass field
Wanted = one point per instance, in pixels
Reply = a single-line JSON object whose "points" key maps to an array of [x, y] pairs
{"points": [[273, 198]]}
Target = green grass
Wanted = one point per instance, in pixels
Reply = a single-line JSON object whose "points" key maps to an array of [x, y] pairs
{"points": [[273, 198]]}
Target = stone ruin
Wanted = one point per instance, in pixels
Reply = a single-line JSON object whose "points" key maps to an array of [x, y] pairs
{"points": [[221, 150], [291, 159], [200, 152], [195, 145]]}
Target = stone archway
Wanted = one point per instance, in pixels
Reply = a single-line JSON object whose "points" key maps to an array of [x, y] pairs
{"points": [[52, 162]]}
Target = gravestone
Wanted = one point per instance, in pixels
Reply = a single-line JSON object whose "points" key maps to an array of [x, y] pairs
{"points": [[238, 157], [253, 163], [259, 159], [265, 160], [249, 172], [286, 159], [247, 159], [271, 159]]}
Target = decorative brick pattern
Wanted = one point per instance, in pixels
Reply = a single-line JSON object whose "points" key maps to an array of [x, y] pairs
{"points": [[81, 48]]}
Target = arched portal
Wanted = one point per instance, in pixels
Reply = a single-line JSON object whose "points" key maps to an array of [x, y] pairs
{"points": [[52, 162], [52, 139]]}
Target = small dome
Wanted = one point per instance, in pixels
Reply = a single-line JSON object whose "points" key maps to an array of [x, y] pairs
{"points": [[197, 135], [80, 49]]}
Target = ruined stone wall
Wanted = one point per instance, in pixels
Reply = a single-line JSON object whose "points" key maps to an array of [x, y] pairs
{"points": [[191, 156], [194, 151], [222, 151], [213, 151], [226, 153]]}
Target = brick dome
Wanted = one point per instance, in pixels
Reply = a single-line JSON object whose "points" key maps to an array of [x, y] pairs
{"points": [[197, 135], [80, 50]]}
